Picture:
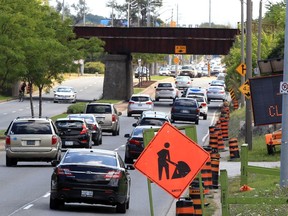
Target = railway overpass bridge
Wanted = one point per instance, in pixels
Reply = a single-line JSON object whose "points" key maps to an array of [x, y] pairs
{"points": [[121, 42]]}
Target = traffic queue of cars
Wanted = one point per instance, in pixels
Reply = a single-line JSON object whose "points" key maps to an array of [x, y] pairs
{"points": [[93, 176]]}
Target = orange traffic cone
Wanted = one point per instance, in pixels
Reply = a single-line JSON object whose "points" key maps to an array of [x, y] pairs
{"points": [[245, 188]]}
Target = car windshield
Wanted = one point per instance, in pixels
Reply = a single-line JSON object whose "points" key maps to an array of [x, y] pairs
{"points": [[195, 93], [104, 109], [152, 121], [93, 159], [198, 99], [182, 78], [64, 90], [69, 124], [87, 118], [164, 85], [140, 98], [31, 127], [191, 103]]}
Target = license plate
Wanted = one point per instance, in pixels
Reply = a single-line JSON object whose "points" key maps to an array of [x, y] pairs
{"points": [[85, 193], [30, 142], [68, 143], [140, 105], [184, 111]]}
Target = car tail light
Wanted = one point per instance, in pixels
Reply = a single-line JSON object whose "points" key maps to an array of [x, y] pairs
{"points": [[134, 142], [203, 104], [222, 92], [8, 140], [94, 127], [84, 129], [198, 110], [131, 102], [54, 139], [149, 103], [176, 82], [63, 171], [113, 175], [114, 118]]}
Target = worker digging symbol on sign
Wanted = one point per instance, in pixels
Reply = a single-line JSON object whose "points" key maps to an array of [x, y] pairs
{"points": [[181, 170], [163, 158]]}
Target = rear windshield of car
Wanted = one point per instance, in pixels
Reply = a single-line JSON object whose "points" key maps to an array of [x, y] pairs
{"points": [[152, 121], [195, 93], [140, 98], [31, 127], [93, 159], [198, 99], [164, 85], [69, 124], [99, 109], [191, 103], [88, 119]]}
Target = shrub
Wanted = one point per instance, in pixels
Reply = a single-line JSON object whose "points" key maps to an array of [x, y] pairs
{"points": [[76, 108], [94, 67]]}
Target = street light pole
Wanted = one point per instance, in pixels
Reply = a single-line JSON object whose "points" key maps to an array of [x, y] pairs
{"points": [[209, 13], [248, 137]]}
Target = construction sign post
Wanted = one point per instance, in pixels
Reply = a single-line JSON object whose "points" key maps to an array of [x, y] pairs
{"points": [[172, 160]]}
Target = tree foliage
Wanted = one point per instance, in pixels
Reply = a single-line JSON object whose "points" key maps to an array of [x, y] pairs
{"points": [[38, 46], [272, 43]]}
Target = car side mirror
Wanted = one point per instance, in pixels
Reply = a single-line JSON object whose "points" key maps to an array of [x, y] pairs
{"points": [[134, 124], [127, 135], [119, 113]]}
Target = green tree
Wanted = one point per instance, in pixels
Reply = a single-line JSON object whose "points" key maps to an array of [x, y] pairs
{"points": [[38, 46]]}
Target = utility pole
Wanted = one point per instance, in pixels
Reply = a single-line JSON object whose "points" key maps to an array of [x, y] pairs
{"points": [[242, 99], [284, 141], [248, 137]]}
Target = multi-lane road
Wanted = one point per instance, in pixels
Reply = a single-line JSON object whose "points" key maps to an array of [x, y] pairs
{"points": [[25, 189]]}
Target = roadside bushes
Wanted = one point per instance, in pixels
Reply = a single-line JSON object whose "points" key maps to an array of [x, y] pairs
{"points": [[76, 108], [94, 67]]}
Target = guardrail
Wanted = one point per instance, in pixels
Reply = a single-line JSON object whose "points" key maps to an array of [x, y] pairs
{"points": [[245, 169]]}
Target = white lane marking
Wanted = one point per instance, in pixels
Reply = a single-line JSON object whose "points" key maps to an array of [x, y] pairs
{"points": [[207, 134], [47, 195], [28, 205], [122, 146]]}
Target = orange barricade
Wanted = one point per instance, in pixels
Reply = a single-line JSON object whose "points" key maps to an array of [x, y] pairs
{"points": [[215, 162], [184, 206], [233, 148]]}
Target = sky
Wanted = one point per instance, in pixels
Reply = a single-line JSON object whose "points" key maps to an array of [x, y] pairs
{"points": [[190, 12]]}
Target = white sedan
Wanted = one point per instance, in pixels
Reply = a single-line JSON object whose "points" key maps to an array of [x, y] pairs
{"points": [[65, 94]]}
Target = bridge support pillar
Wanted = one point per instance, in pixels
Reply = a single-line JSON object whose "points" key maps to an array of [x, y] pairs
{"points": [[118, 81]]}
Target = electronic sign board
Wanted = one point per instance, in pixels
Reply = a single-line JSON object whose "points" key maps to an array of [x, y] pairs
{"points": [[266, 99]]}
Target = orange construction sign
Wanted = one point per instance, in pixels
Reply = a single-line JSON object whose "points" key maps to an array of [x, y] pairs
{"points": [[172, 160]]}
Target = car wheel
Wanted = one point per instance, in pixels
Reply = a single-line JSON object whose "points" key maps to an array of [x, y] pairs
{"points": [[128, 160], [10, 161], [121, 207], [56, 203], [129, 114], [156, 99], [55, 101], [128, 204], [114, 133], [205, 117], [118, 131], [197, 122]]}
